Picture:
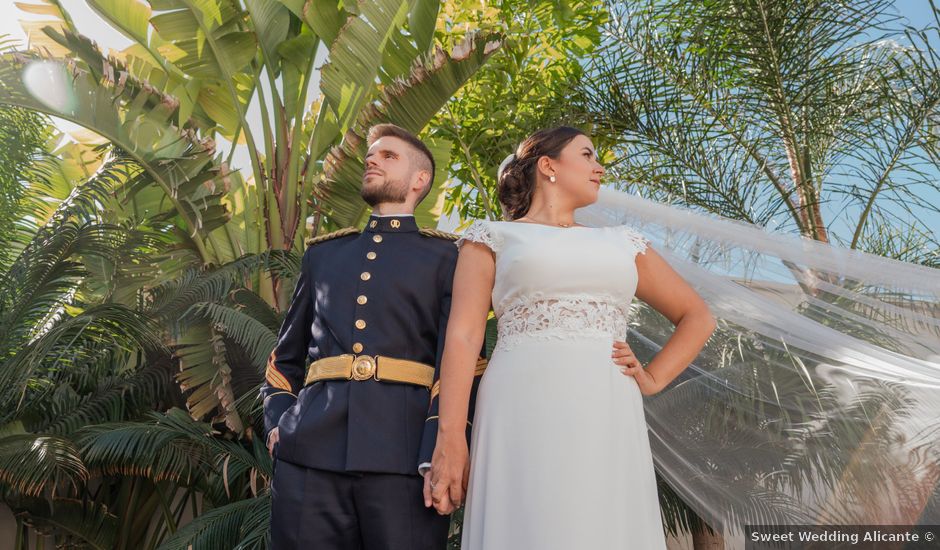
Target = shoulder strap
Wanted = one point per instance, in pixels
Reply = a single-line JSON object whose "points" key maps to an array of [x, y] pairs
{"points": [[428, 232], [340, 233]]}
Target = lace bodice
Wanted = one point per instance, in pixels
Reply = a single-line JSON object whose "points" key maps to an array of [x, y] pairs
{"points": [[554, 282]]}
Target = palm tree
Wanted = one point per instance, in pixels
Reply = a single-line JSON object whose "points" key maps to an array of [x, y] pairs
{"points": [[787, 112]]}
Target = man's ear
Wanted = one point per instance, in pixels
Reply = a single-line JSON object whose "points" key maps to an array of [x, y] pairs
{"points": [[422, 177]]}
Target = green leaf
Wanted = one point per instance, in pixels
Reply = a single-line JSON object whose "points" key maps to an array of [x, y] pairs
{"points": [[254, 337], [188, 31], [241, 524], [421, 22], [131, 17], [326, 18], [31, 463], [428, 212], [175, 25], [236, 50], [217, 103], [272, 23], [206, 375], [297, 54], [356, 55], [90, 522], [170, 446], [132, 116]]}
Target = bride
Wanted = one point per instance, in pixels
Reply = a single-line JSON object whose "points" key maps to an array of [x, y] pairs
{"points": [[560, 456]]}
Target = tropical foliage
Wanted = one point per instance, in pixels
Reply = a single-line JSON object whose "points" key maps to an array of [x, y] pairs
{"points": [[148, 254], [817, 117], [527, 87]]}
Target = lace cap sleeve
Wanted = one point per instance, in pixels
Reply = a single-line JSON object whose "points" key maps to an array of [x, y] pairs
{"points": [[480, 232], [635, 239]]}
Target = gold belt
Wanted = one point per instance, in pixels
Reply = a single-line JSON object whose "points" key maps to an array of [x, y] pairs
{"points": [[364, 367]]}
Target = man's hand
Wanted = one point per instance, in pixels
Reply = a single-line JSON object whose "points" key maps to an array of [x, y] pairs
{"points": [[427, 488], [273, 438], [446, 483]]}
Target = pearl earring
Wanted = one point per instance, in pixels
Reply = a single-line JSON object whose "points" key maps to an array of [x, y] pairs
{"points": [[552, 178]]}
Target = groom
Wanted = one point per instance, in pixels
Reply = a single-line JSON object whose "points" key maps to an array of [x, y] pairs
{"points": [[369, 311]]}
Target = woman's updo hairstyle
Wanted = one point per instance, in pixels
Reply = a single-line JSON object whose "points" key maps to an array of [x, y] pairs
{"points": [[516, 179]]}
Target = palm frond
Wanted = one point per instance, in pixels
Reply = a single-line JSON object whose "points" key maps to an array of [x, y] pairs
{"points": [[83, 523], [32, 463], [64, 337], [256, 338], [241, 525], [205, 375], [112, 400], [170, 446]]}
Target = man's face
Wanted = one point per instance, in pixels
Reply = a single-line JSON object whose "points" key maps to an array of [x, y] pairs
{"points": [[389, 171]]}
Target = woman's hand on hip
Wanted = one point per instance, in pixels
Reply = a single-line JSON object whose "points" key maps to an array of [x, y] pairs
{"points": [[629, 365]]}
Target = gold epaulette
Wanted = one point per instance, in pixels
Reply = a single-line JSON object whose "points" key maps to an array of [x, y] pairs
{"points": [[341, 233], [436, 233]]}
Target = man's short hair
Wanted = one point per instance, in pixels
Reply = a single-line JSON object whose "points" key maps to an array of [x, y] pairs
{"points": [[425, 160]]}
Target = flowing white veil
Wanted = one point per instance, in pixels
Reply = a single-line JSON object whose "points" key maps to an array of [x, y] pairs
{"points": [[817, 399]]}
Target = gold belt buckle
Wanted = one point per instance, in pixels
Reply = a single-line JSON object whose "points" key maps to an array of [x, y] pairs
{"points": [[363, 367]]}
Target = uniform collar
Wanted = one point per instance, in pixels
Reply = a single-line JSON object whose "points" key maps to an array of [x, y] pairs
{"points": [[404, 223]]}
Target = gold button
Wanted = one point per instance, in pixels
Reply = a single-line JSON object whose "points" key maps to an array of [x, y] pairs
{"points": [[373, 223], [357, 347], [360, 324], [396, 224], [362, 300], [377, 238], [371, 255], [365, 276]]}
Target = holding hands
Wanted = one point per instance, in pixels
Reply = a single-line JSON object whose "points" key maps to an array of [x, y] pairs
{"points": [[446, 483]]}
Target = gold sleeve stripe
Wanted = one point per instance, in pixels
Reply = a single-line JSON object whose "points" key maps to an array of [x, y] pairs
{"points": [[481, 366], [276, 379], [269, 396]]}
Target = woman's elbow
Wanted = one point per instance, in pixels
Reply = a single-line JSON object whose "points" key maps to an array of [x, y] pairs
{"points": [[701, 316], [707, 319]]}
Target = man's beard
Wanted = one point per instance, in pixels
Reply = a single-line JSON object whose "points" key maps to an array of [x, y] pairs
{"points": [[390, 191]]}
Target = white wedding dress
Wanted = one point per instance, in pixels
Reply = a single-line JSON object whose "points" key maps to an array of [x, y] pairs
{"points": [[560, 456]]}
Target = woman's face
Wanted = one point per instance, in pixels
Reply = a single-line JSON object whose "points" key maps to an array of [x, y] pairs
{"points": [[577, 172]]}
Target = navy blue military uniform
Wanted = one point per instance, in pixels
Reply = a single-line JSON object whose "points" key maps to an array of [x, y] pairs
{"points": [[346, 465]]}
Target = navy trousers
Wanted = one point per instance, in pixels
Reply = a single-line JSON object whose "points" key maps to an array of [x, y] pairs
{"points": [[321, 510]]}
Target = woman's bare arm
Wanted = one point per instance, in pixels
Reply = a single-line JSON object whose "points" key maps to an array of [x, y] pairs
{"points": [[466, 327], [668, 293]]}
